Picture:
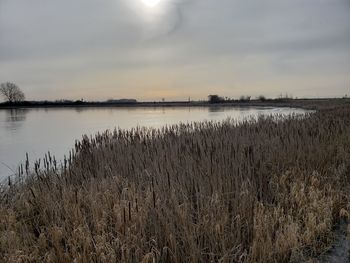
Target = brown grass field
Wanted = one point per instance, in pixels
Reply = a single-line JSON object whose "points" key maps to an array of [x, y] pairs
{"points": [[266, 190]]}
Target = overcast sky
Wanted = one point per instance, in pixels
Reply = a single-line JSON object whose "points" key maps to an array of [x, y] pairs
{"points": [[102, 49]]}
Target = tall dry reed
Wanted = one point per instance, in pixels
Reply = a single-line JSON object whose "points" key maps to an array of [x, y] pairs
{"points": [[266, 190]]}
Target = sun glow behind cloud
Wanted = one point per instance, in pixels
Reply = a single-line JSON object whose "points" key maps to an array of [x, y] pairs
{"points": [[154, 18], [148, 10], [151, 3]]}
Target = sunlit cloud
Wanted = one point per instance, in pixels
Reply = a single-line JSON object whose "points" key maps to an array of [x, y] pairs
{"points": [[151, 3]]}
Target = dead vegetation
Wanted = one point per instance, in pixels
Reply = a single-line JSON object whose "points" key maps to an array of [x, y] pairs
{"points": [[269, 190]]}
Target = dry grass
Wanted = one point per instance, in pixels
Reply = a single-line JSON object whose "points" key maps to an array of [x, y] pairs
{"points": [[263, 191]]}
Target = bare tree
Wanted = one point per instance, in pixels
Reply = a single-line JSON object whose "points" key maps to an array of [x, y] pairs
{"points": [[11, 92], [215, 99]]}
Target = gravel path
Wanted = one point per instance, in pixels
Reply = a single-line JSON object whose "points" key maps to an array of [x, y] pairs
{"points": [[339, 253]]}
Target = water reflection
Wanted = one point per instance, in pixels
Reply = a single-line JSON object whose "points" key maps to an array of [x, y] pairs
{"points": [[215, 109], [79, 109], [15, 118]]}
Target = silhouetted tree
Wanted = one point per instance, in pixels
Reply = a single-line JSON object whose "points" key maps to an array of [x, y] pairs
{"points": [[11, 92], [244, 98], [262, 98], [215, 99]]}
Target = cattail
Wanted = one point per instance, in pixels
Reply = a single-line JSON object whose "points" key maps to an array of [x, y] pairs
{"points": [[129, 211], [27, 164], [154, 199], [124, 216]]}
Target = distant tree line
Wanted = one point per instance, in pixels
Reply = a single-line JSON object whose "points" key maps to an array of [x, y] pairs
{"points": [[217, 99], [214, 98], [13, 95]]}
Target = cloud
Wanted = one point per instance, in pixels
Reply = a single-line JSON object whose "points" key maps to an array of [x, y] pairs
{"points": [[230, 46]]}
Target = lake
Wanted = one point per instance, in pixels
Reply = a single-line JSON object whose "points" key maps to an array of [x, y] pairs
{"points": [[37, 131]]}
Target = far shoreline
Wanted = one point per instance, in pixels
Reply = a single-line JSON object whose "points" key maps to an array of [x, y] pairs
{"points": [[310, 104]]}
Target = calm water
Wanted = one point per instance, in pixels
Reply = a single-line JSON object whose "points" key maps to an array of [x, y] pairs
{"points": [[37, 131]]}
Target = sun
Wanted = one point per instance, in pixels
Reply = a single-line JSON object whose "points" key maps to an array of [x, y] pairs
{"points": [[151, 3]]}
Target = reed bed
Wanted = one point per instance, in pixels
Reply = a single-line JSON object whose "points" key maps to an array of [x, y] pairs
{"points": [[264, 190]]}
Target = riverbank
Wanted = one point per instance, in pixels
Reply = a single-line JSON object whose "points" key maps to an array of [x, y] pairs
{"points": [[266, 190], [310, 104]]}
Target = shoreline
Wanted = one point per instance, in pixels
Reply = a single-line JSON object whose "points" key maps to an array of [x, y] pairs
{"points": [[310, 104]]}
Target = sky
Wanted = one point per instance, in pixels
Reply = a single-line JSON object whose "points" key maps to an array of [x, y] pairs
{"points": [[175, 49]]}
